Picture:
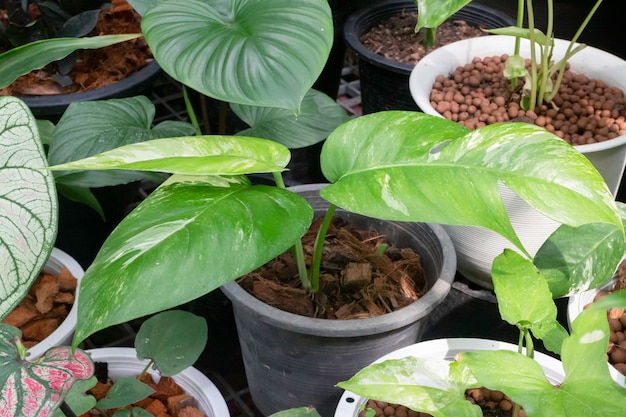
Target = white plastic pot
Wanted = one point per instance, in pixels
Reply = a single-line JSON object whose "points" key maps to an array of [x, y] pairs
{"points": [[350, 404], [123, 362], [64, 333], [476, 247], [576, 304]]}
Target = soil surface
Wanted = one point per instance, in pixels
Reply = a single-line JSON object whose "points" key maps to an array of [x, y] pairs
{"points": [[395, 37], [583, 111], [356, 281], [94, 68]]}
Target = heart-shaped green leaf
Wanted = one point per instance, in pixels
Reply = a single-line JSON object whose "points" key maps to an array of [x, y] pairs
{"points": [[28, 203], [188, 230], [261, 53], [319, 116], [125, 391], [36, 389], [172, 339]]}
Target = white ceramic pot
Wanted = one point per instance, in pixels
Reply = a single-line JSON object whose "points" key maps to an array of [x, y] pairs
{"points": [[476, 248], [576, 304], [123, 362], [64, 333], [350, 404]]}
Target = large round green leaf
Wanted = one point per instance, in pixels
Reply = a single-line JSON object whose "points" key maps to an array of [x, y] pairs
{"points": [[185, 240], [255, 52], [28, 203]]}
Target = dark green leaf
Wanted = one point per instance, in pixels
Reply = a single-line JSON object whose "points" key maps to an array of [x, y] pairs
{"points": [[260, 53], [77, 398], [319, 116], [125, 391], [24, 59], [172, 339], [432, 13]]}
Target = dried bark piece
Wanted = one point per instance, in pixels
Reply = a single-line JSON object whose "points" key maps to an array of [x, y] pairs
{"points": [[157, 408], [20, 316], [190, 412], [39, 329], [288, 298], [45, 292], [67, 281], [178, 402], [166, 387], [356, 275]]}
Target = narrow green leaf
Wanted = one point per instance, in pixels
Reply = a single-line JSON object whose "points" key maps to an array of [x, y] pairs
{"points": [[28, 203], [22, 60], [260, 53], [393, 165], [124, 391], [525, 299], [538, 36], [172, 339], [200, 228], [319, 116], [194, 155]]}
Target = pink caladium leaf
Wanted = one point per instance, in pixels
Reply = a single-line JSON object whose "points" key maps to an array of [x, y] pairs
{"points": [[36, 389]]}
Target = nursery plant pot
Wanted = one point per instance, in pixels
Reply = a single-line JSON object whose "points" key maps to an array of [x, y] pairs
{"points": [[476, 248], [123, 362], [576, 304], [383, 81], [292, 360], [51, 107], [350, 404], [64, 333]]}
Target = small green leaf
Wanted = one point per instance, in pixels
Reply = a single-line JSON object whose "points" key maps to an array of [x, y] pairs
{"points": [[77, 398], [538, 36], [173, 339], [431, 14], [319, 116], [22, 60], [515, 67], [524, 297], [28, 203], [124, 391]]}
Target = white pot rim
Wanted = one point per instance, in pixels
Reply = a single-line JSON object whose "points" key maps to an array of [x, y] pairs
{"points": [[447, 348], [123, 362], [64, 333]]}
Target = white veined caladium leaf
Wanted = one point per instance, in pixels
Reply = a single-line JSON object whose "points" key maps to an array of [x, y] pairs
{"points": [[36, 389], [28, 203]]}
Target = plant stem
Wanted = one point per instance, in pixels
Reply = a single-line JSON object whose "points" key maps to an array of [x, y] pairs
{"points": [[532, 103], [190, 111], [546, 55], [319, 247], [297, 250]]}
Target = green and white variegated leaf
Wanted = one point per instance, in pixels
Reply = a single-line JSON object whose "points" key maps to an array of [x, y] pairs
{"points": [[429, 385], [36, 389], [587, 390], [394, 165], [28, 203], [90, 128], [186, 239], [524, 299], [254, 52], [576, 259], [432, 13], [23, 59], [319, 116], [192, 155]]}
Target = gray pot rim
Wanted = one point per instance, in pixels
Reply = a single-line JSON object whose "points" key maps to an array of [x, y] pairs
{"points": [[355, 327]]}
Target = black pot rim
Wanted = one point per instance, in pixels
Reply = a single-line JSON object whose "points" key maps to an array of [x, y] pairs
{"points": [[365, 18], [56, 104]]}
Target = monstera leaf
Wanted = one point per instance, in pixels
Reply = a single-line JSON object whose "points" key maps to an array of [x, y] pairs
{"points": [[36, 389], [260, 53], [28, 203]]}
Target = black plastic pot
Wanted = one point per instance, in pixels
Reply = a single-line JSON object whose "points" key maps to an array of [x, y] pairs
{"points": [[293, 361], [385, 82], [52, 107]]}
